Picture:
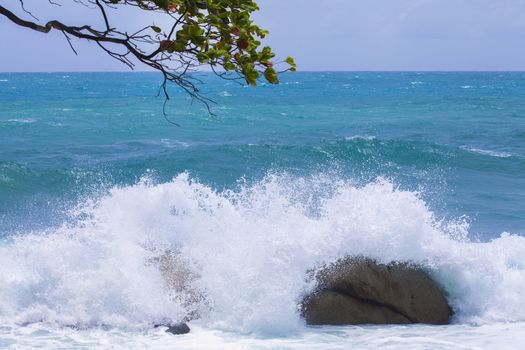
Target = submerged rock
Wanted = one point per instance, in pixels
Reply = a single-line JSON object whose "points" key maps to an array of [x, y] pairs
{"points": [[181, 328], [360, 291], [179, 276]]}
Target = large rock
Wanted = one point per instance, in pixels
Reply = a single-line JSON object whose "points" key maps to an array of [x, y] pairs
{"points": [[175, 329], [178, 329], [359, 291]]}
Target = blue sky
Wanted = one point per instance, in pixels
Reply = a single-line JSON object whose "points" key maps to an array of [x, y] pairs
{"points": [[321, 35]]}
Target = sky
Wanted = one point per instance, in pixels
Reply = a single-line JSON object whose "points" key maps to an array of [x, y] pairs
{"points": [[327, 35]]}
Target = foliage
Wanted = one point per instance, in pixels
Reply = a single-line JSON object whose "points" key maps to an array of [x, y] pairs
{"points": [[220, 33], [216, 33]]}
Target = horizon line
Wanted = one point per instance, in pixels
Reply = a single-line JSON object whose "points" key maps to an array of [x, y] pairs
{"points": [[299, 71]]}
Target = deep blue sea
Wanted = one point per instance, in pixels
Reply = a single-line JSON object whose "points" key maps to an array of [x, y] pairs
{"points": [[95, 182]]}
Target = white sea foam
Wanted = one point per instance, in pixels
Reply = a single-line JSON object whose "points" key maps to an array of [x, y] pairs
{"points": [[170, 143], [419, 337], [251, 247], [22, 120], [360, 137], [485, 152]]}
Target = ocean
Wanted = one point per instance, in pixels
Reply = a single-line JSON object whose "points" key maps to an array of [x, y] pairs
{"points": [[96, 184]]}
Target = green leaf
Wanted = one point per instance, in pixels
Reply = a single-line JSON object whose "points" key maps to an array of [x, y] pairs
{"points": [[250, 74], [179, 46], [162, 3], [202, 57], [291, 61], [156, 29], [271, 75], [229, 66]]}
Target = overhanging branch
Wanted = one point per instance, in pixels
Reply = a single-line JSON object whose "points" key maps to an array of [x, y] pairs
{"points": [[217, 34], [125, 41]]}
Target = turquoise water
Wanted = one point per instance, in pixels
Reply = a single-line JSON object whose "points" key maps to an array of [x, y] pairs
{"points": [[457, 137], [95, 185]]}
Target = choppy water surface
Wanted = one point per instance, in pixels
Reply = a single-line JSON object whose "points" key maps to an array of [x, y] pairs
{"points": [[95, 185]]}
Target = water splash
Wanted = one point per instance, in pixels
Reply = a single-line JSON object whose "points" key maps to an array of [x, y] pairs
{"points": [[249, 250]]}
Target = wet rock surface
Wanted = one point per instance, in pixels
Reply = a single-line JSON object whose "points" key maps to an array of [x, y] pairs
{"points": [[361, 291], [178, 329]]}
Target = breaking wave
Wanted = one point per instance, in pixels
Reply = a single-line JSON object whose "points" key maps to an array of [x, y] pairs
{"points": [[243, 254]]}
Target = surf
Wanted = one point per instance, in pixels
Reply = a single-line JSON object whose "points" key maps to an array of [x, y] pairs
{"points": [[250, 248]]}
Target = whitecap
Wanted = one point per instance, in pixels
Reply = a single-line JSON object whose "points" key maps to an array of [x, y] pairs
{"points": [[498, 154], [169, 143], [360, 137], [55, 124], [22, 120]]}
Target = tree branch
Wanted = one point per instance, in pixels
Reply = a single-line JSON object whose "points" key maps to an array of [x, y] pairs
{"points": [[219, 35]]}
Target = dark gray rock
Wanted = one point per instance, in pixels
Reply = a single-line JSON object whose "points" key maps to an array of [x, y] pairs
{"points": [[359, 291], [335, 308], [178, 329]]}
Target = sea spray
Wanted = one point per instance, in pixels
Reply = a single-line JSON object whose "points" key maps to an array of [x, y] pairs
{"points": [[251, 248]]}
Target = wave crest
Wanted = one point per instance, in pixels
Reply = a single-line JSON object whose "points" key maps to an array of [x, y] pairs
{"points": [[248, 250]]}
